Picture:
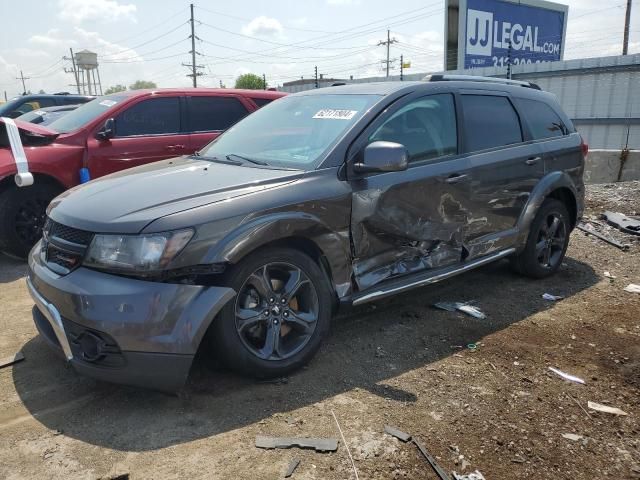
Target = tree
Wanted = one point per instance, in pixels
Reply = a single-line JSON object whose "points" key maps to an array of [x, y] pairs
{"points": [[41, 92], [140, 84], [115, 89], [250, 81]]}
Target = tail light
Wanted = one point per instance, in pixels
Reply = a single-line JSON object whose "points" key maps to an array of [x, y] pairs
{"points": [[584, 146]]}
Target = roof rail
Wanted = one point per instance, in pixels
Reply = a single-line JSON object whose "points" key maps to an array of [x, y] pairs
{"points": [[477, 78]]}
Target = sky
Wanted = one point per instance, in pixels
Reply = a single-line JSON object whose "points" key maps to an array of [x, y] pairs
{"points": [[284, 40]]}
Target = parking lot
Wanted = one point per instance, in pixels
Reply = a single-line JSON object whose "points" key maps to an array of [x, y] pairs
{"points": [[496, 408]]}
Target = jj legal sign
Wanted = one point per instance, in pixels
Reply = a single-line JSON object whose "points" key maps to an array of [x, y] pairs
{"points": [[494, 32]]}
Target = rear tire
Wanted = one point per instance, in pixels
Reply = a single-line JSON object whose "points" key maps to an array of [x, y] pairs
{"points": [[22, 216], [547, 241], [281, 313]]}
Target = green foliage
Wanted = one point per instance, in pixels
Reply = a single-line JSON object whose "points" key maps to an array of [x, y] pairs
{"points": [[250, 81], [140, 84], [115, 89]]}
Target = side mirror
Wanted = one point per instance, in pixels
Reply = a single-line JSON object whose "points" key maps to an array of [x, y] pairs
{"points": [[383, 157], [108, 130]]}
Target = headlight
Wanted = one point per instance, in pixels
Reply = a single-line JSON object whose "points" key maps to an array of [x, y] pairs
{"points": [[139, 253]]}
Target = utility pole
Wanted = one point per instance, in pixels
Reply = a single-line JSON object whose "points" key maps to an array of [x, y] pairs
{"points": [[23, 78], [75, 70], [264, 81], [317, 76], [401, 68], [509, 61], [193, 66], [627, 20], [388, 44]]}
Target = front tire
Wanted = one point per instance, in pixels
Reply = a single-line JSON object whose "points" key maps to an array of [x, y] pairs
{"points": [[547, 241], [22, 216], [279, 317]]}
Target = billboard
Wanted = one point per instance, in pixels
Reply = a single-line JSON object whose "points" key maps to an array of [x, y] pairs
{"points": [[492, 33]]}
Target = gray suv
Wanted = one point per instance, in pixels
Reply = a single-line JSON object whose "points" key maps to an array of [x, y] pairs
{"points": [[327, 198]]}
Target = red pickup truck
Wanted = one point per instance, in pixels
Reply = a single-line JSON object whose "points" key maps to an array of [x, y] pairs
{"points": [[106, 135]]}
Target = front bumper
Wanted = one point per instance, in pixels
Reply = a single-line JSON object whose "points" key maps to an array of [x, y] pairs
{"points": [[120, 329]]}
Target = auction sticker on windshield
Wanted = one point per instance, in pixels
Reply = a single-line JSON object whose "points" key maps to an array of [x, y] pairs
{"points": [[332, 114]]}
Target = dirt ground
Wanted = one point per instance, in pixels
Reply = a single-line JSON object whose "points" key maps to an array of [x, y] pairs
{"points": [[496, 408]]}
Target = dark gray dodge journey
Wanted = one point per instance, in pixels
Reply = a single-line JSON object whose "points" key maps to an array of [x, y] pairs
{"points": [[327, 198]]}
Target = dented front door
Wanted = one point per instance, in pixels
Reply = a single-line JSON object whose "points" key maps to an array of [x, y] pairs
{"points": [[413, 220]]}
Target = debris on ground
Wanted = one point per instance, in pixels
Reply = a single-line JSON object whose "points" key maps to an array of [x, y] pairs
{"points": [[471, 476], [609, 275], [399, 434], [605, 409], [552, 298], [292, 467], [632, 288], [628, 225], [572, 436], [318, 444], [589, 229], [346, 445], [566, 376], [432, 461], [5, 362], [464, 307]]}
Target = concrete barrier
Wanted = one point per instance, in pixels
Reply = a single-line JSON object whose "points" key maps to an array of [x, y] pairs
{"points": [[603, 166]]}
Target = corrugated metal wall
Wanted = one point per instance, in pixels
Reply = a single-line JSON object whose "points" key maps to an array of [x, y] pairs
{"points": [[601, 95]]}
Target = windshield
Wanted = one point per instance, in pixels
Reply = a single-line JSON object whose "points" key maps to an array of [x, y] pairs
{"points": [[85, 113], [292, 132]]}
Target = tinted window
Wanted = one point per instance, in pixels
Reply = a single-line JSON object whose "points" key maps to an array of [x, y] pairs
{"points": [[427, 127], [214, 113], [541, 118], [489, 121], [73, 100], [261, 102], [86, 113], [150, 117]]}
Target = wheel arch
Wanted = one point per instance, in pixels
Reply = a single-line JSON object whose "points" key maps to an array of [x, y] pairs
{"points": [[301, 231], [8, 181], [558, 185]]}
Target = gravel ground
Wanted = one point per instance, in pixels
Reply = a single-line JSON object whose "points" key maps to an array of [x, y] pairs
{"points": [[496, 408]]}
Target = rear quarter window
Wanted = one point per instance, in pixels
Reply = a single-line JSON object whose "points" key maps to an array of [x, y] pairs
{"points": [[489, 121], [542, 120], [261, 102]]}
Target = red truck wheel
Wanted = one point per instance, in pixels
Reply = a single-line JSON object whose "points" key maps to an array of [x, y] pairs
{"points": [[22, 216]]}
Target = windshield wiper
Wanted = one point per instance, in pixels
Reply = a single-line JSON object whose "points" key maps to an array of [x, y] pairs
{"points": [[228, 161], [247, 159]]}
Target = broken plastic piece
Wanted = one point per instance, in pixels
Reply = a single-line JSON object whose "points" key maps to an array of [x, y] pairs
{"points": [[399, 434], [605, 408], [462, 307], [318, 444], [608, 275], [432, 461], [632, 288], [566, 376], [292, 467], [552, 298], [622, 222], [572, 436], [592, 231], [5, 362], [471, 476]]}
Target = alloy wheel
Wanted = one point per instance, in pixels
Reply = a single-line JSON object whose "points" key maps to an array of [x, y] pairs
{"points": [[29, 220], [551, 240], [276, 311]]}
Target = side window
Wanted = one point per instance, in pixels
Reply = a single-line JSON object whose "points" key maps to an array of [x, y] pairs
{"points": [[45, 102], [489, 121], [427, 127], [155, 116], [542, 120], [207, 114], [261, 102]]}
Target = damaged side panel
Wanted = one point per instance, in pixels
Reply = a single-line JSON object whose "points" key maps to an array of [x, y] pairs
{"points": [[404, 222]]}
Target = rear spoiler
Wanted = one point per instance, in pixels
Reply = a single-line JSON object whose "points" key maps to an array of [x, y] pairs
{"points": [[23, 178]]}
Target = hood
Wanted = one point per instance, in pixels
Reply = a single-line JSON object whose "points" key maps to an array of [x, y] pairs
{"points": [[32, 135], [125, 202]]}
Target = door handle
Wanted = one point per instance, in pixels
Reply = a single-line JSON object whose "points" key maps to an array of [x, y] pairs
{"points": [[532, 160], [174, 147], [456, 178]]}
